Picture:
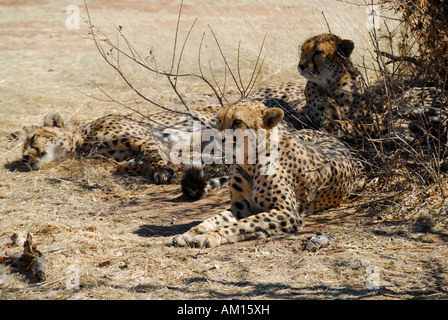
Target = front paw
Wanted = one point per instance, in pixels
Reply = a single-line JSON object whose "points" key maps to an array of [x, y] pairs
{"points": [[188, 239], [208, 240], [182, 240]]}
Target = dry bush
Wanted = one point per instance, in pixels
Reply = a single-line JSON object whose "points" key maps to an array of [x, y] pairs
{"points": [[425, 22], [411, 49], [413, 40]]}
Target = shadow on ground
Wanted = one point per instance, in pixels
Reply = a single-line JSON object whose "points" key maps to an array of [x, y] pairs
{"points": [[164, 231]]}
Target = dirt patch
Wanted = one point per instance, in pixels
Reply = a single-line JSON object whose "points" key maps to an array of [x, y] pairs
{"points": [[103, 235]]}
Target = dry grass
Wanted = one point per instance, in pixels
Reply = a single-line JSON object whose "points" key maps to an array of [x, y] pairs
{"points": [[110, 229]]}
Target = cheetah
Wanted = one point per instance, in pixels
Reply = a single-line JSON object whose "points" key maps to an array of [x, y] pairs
{"points": [[135, 144], [338, 102], [332, 96], [335, 92], [312, 171]]}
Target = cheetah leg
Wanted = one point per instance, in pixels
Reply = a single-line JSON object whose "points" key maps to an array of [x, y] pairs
{"points": [[256, 226], [226, 217], [226, 228], [160, 173], [240, 222], [151, 162]]}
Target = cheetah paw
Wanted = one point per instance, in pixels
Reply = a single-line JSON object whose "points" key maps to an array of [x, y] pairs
{"points": [[182, 240], [163, 176], [209, 240]]}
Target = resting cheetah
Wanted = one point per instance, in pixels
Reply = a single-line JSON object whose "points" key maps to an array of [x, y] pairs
{"points": [[338, 103], [335, 94], [127, 140], [313, 171]]}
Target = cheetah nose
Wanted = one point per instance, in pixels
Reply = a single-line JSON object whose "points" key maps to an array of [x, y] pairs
{"points": [[301, 66]]}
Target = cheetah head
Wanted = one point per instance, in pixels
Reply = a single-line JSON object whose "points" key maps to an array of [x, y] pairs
{"points": [[245, 119], [324, 58], [49, 143], [248, 114]]}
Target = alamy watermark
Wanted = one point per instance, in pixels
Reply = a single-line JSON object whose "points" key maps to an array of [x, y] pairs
{"points": [[72, 277], [72, 21], [373, 277], [373, 21], [227, 147]]}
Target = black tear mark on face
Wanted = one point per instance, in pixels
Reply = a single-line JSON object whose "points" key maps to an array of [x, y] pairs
{"points": [[316, 53]]}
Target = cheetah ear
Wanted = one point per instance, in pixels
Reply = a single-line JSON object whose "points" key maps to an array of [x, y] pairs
{"points": [[53, 119], [29, 131], [272, 117], [346, 47]]}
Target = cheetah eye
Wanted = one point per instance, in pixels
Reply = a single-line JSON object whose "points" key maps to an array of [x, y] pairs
{"points": [[318, 52], [236, 122], [39, 153]]}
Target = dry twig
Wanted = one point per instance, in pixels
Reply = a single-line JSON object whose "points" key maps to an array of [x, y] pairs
{"points": [[31, 259]]}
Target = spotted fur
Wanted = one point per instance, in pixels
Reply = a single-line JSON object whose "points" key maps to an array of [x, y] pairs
{"points": [[338, 103]]}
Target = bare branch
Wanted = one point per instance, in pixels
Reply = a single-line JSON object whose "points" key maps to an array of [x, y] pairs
{"points": [[398, 58], [239, 69], [220, 94], [114, 54], [175, 36], [226, 63], [183, 48], [100, 38], [255, 74]]}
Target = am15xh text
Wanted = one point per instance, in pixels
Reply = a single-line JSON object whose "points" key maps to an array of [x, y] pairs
{"points": [[245, 309]]}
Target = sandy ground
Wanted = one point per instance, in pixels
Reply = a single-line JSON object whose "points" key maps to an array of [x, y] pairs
{"points": [[103, 234]]}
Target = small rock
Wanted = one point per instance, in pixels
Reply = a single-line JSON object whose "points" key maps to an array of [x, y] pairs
{"points": [[321, 240]]}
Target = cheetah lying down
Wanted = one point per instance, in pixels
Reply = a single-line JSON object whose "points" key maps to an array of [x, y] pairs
{"points": [[137, 145]]}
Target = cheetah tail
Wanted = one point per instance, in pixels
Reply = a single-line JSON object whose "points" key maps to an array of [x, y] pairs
{"points": [[195, 182]]}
